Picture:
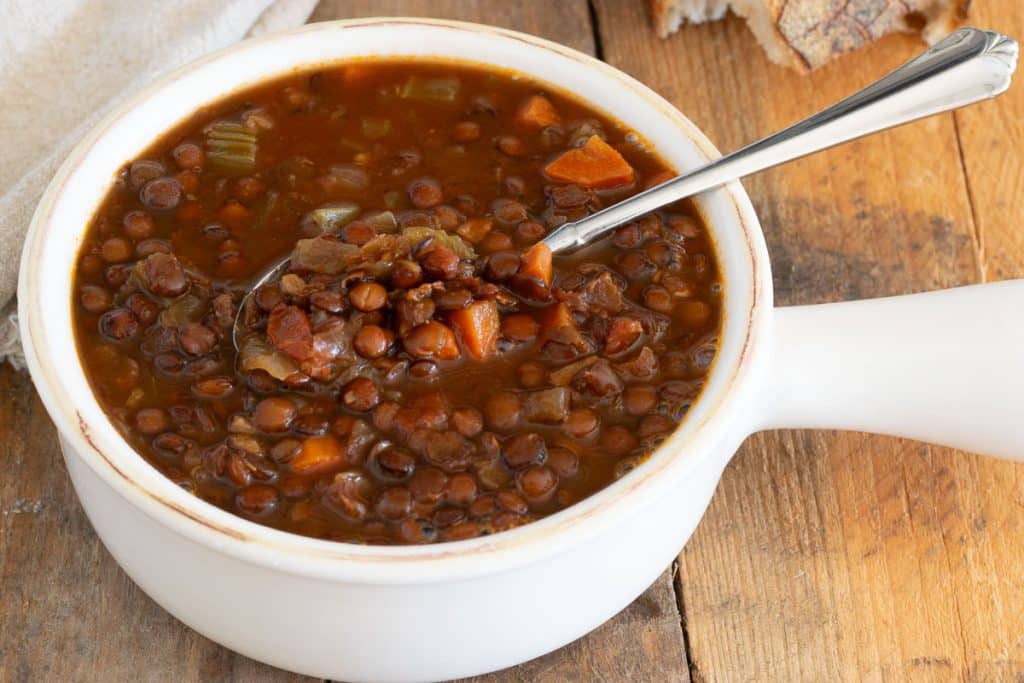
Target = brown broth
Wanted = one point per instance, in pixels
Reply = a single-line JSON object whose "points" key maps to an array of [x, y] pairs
{"points": [[335, 117]]}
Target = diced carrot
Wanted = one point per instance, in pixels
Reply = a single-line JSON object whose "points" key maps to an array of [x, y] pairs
{"points": [[595, 164], [558, 325], [477, 326], [533, 280], [538, 111], [319, 453], [554, 318], [537, 263]]}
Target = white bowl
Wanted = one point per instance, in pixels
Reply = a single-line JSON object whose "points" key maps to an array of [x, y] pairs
{"points": [[434, 612]]}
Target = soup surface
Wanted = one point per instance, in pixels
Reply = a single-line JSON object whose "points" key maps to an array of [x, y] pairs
{"points": [[422, 371]]}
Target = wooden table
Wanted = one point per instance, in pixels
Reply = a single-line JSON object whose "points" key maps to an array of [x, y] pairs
{"points": [[824, 555]]}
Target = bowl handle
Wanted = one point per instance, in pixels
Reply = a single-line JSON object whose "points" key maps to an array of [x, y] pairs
{"points": [[945, 367]]}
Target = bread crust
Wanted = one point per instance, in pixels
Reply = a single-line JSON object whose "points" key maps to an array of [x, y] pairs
{"points": [[804, 34]]}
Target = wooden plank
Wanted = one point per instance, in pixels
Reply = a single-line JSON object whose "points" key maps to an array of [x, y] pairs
{"points": [[642, 643], [67, 612], [565, 21], [991, 137], [992, 147], [831, 555]]}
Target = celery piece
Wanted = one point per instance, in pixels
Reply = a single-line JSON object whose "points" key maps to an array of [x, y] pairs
{"points": [[231, 146], [442, 89]]}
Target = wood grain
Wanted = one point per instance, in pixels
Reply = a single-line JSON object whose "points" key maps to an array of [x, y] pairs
{"points": [[990, 136], [563, 21], [828, 555], [642, 643]]}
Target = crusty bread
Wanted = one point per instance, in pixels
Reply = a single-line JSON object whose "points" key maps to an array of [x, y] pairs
{"points": [[804, 34]]}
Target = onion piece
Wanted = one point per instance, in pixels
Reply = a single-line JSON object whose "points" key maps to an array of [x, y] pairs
{"points": [[323, 255], [458, 245], [184, 310], [335, 342], [563, 376], [331, 218], [383, 222], [350, 178], [258, 354]]}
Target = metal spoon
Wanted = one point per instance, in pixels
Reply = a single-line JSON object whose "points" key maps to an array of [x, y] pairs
{"points": [[967, 66], [273, 272]]}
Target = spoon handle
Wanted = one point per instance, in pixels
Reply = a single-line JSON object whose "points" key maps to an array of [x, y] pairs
{"points": [[967, 66]]}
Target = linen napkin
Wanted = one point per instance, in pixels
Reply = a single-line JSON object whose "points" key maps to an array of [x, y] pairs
{"points": [[65, 63]]}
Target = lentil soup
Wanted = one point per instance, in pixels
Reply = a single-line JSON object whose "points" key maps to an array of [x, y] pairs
{"points": [[424, 370]]}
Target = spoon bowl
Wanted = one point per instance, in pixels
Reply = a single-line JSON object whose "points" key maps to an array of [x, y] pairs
{"points": [[276, 270]]}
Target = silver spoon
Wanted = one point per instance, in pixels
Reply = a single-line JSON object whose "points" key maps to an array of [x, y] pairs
{"points": [[967, 66]]}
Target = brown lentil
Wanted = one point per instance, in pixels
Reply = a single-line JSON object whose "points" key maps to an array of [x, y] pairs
{"points": [[368, 296], [360, 395]]}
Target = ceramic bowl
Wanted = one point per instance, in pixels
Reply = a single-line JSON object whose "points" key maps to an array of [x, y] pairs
{"points": [[351, 612]]}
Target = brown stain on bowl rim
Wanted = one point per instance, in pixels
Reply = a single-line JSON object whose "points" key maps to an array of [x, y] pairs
{"points": [[635, 479]]}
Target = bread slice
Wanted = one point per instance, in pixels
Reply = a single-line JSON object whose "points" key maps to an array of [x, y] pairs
{"points": [[804, 34]]}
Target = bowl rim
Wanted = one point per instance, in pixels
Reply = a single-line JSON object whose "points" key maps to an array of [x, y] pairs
{"points": [[104, 450]]}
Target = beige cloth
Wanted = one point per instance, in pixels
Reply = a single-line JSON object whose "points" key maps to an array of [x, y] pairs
{"points": [[64, 63]]}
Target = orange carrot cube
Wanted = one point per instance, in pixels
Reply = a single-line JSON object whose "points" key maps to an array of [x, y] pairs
{"points": [[538, 111], [537, 263], [319, 453], [596, 164], [477, 326]]}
